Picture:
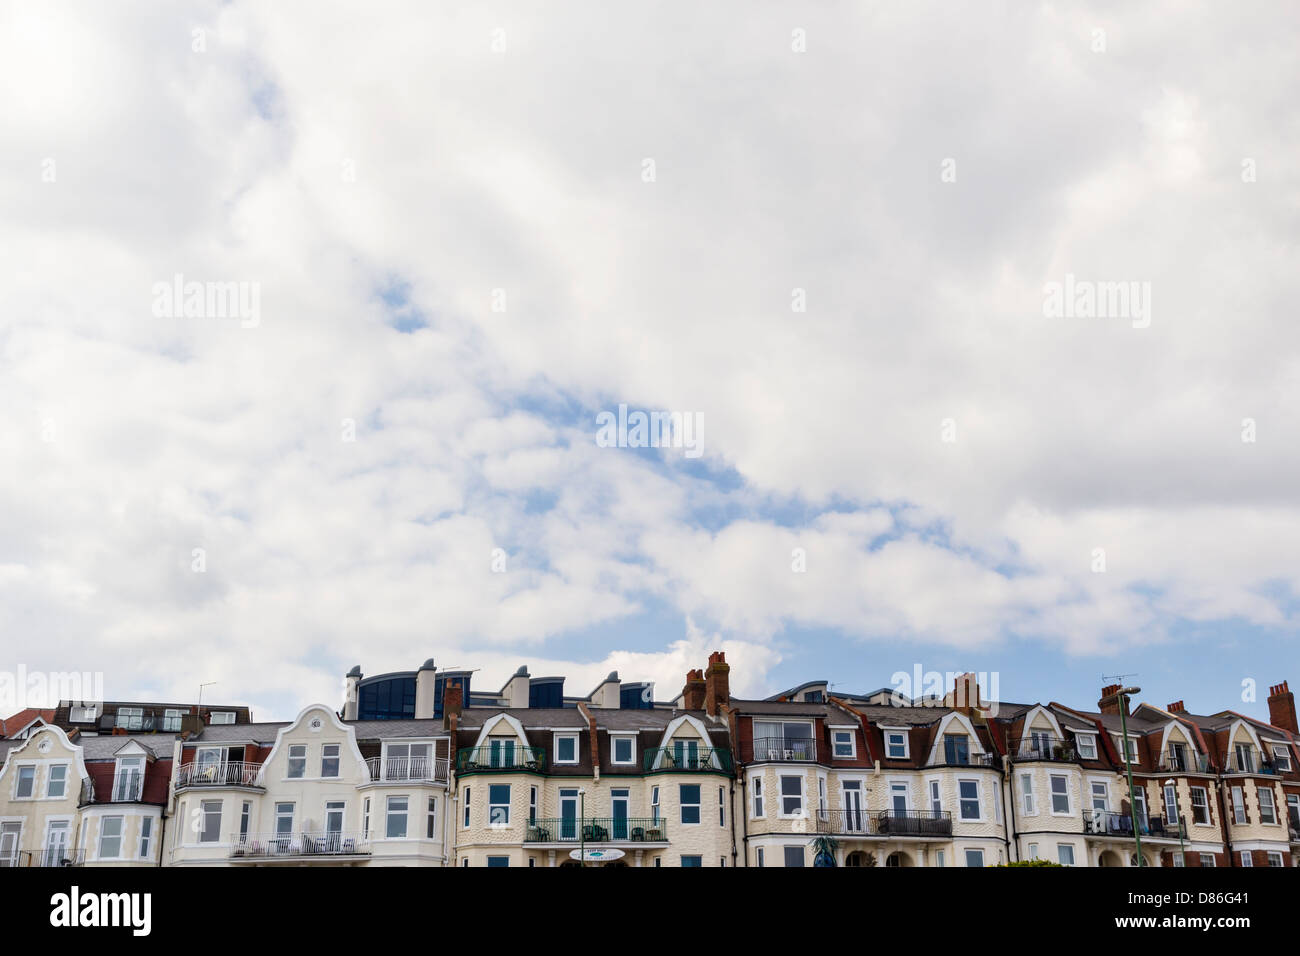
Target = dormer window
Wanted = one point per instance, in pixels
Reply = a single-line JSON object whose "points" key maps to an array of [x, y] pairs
{"points": [[1245, 758], [128, 781], [130, 718], [83, 713], [623, 749], [896, 744], [843, 744], [222, 717], [956, 749], [1086, 744], [566, 748], [1282, 758], [171, 720]]}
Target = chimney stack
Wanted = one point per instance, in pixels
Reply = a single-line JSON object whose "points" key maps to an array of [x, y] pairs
{"points": [[1109, 703], [1176, 707], [965, 694], [1281, 707], [694, 691], [451, 704], [717, 683], [425, 679]]}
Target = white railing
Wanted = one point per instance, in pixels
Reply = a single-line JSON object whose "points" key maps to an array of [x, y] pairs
{"points": [[230, 773], [298, 844], [408, 768]]}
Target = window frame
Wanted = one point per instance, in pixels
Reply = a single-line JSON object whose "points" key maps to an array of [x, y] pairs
{"points": [[683, 804], [1204, 805], [496, 818], [291, 758], [205, 814], [337, 758], [614, 741], [962, 801], [782, 796], [889, 745], [1260, 791], [120, 836], [1086, 740], [49, 779], [573, 736], [391, 813], [852, 744]]}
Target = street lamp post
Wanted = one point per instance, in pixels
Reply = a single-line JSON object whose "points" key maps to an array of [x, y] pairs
{"points": [[1182, 850], [582, 831], [1128, 766]]}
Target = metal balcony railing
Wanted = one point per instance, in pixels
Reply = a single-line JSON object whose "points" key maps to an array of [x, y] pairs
{"points": [[893, 823], [1173, 762], [126, 787], [55, 856], [298, 845], [1042, 747], [688, 758], [597, 830], [785, 749], [1116, 824], [15, 859], [229, 773], [404, 769], [475, 759], [1248, 762], [960, 759]]}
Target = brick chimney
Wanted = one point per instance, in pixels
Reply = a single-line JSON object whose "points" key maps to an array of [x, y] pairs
{"points": [[693, 692], [717, 683], [965, 694], [451, 705], [1176, 707], [1281, 707], [1109, 703]]}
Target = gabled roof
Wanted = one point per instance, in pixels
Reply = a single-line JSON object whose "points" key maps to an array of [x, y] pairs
{"points": [[12, 726]]}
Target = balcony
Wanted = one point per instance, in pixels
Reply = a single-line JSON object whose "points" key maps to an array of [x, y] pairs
{"points": [[962, 759], [408, 769], [15, 859], [230, 773], [127, 787], [1043, 747], [597, 830], [485, 759], [298, 847], [885, 823], [1248, 761], [1173, 761], [678, 759], [56, 857], [785, 749], [1108, 823]]}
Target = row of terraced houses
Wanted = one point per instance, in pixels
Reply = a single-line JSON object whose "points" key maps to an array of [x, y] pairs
{"points": [[419, 768]]}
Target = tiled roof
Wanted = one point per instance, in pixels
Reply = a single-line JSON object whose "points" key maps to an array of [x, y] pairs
{"points": [[106, 746], [11, 725]]}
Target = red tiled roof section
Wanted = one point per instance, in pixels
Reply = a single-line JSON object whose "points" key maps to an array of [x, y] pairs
{"points": [[11, 725]]}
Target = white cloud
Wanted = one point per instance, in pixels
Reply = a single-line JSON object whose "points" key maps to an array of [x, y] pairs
{"points": [[521, 171]]}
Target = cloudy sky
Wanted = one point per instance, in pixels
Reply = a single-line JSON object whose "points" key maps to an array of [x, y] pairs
{"points": [[825, 232]]}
